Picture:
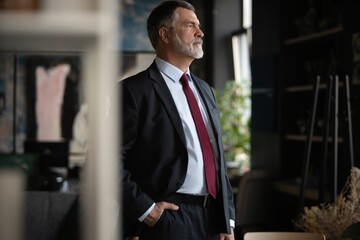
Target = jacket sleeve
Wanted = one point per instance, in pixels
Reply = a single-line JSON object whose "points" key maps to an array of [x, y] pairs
{"points": [[227, 186], [135, 201]]}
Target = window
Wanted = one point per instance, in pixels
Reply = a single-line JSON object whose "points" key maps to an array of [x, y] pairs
{"points": [[241, 46]]}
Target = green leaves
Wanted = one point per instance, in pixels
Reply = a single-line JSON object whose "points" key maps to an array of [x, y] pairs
{"points": [[235, 114]]}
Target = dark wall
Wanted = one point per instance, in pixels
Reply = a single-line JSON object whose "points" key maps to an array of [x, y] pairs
{"points": [[226, 20], [266, 27], [265, 74], [221, 18]]}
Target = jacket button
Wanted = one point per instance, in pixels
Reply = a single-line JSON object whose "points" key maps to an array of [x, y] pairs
{"points": [[179, 184]]}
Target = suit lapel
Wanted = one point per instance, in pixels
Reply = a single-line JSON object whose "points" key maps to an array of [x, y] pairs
{"points": [[210, 105], [213, 114], [167, 100], [169, 104]]}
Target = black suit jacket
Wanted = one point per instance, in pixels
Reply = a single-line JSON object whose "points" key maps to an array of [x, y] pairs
{"points": [[154, 150]]}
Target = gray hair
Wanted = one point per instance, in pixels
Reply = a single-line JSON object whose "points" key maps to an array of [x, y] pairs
{"points": [[163, 16]]}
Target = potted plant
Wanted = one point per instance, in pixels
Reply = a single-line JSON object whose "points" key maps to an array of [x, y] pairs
{"points": [[235, 114], [339, 219]]}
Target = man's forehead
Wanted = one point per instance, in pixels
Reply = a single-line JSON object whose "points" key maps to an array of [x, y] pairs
{"points": [[186, 15]]}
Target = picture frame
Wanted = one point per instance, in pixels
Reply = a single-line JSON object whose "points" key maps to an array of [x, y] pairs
{"points": [[22, 101]]}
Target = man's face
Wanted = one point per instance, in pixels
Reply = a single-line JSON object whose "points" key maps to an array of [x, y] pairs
{"points": [[187, 35]]}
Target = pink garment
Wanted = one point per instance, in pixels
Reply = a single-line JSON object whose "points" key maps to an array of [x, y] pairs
{"points": [[50, 85]]}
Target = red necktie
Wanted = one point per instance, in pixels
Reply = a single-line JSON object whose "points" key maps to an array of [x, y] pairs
{"points": [[208, 157]]}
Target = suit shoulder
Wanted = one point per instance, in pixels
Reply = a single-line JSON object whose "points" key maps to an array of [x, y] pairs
{"points": [[137, 79]]}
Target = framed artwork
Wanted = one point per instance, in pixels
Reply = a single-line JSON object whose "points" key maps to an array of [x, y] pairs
{"points": [[52, 95], [39, 97], [133, 34]]}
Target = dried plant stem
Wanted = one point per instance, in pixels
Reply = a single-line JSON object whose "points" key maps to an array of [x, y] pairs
{"points": [[332, 219]]}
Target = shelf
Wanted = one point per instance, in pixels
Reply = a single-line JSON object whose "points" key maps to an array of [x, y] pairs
{"points": [[303, 58], [304, 88], [308, 87], [303, 138], [29, 31], [294, 189], [314, 36]]}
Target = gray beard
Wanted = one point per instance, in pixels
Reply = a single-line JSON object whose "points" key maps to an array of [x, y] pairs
{"points": [[187, 48]]}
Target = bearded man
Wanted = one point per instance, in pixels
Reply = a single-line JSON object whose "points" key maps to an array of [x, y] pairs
{"points": [[174, 174]]}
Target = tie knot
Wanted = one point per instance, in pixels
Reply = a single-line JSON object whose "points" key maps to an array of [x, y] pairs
{"points": [[184, 79]]}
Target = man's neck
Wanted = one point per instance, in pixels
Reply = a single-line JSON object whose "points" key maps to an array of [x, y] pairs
{"points": [[181, 62]]}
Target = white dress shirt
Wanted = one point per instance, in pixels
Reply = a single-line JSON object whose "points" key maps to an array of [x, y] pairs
{"points": [[195, 177]]}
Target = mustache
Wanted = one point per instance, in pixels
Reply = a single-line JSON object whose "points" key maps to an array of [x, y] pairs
{"points": [[198, 40]]}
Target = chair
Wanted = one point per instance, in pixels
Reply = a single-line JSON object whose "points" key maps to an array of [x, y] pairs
{"points": [[253, 202], [283, 236], [51, 215]]}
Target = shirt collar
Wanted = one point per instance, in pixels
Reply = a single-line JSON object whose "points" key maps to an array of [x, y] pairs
{"points": [[171, 71]]}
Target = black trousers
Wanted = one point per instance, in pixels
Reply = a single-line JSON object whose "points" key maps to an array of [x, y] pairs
{"points": [[190, 222]]}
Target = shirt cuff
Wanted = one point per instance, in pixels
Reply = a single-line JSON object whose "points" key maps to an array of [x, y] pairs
{"points": [[142, 217], [232, 223]]}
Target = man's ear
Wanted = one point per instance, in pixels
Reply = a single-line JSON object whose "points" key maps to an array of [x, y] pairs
{"points": [[164, 34]]}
